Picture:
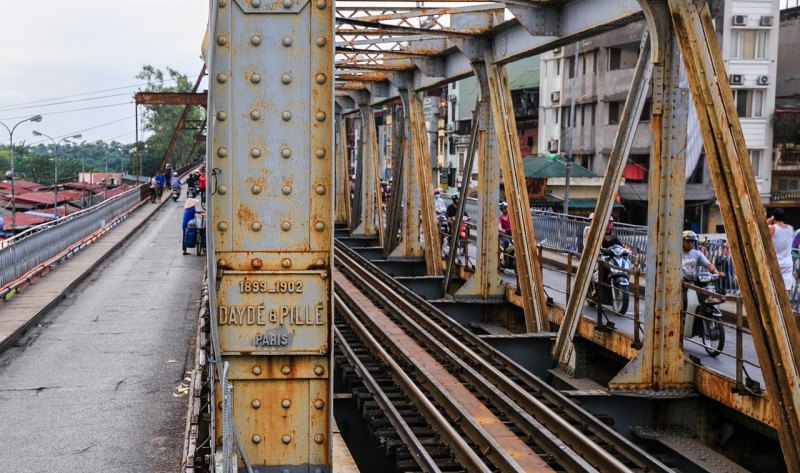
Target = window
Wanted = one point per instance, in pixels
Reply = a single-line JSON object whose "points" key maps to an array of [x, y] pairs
{"points": [[623, 57], [570, 67], [748, 44], [555, 116], [755, 160], [788, 184], [614, 112], [558, 66], [749, 103], [585, 160]]}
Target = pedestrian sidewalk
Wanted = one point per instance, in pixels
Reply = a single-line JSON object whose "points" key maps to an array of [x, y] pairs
{"points": [[34, 300]]}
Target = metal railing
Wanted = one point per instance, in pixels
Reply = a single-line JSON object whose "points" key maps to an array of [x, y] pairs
{"points": [[37, 245]]}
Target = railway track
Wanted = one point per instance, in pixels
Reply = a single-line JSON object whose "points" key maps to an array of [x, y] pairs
{"points": [[455, 402]]}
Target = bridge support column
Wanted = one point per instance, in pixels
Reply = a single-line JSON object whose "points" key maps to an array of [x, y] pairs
{"points": [[371, 210], [529, 271], [342, 174], [772, 323], [661, 364], [485, 282]]}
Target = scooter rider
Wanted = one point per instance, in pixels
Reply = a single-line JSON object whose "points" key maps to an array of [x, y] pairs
{"points": [[504, 226], [693, 258], [175, 182]]}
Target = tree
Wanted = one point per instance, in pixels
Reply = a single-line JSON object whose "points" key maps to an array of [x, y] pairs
{"points": [[161, 120]]}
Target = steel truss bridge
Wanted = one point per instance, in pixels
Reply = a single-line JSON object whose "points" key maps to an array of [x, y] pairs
{"points": [[285, 75]]}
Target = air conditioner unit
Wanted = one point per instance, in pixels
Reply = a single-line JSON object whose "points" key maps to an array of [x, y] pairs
{"points": [[739, 20], [763, 80], [450, 127], [555, 97], [766, 20], [552, 146], [736, 79]]}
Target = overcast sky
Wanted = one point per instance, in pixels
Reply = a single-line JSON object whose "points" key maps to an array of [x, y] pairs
{"points": [[57, 51]]}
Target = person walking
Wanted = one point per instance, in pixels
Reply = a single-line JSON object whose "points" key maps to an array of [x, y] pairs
{"points": [[161, 181], [782, 235], [201, 183], [152, 186]]}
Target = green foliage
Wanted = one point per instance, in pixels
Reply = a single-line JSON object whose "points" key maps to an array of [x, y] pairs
{"points": [[161, 121], [786, 127]]}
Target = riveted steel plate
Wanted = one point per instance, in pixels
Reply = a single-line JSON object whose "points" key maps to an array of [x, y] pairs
{"points": [[273, 312]]}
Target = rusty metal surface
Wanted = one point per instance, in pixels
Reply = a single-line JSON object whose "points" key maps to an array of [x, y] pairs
{"points": [[775, 331], [271, 188], [640, 87], [371, 220], [529, 271], [422, 192], [485, 281], [181, 122], [172, 98], [342, 203]]}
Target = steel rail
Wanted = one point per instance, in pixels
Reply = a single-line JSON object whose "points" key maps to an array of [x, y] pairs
{"points": [[577, 453], [530, 383], [474, 428], [453, 438], [412, 442]]}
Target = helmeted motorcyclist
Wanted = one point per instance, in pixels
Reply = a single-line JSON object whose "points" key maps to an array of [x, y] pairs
{"points": [[692, 257], [504, 225], [175, 182]]}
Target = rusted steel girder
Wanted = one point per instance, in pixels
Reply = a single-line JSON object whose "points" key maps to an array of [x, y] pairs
{"points": [[181, 121], [420, 157], [529, 271], [563, 349], [171, 98], [408, 209], [485, 282], [342, 206], [409, 30], [371, 211], [401, 196], [773, 326], [661, 364]]}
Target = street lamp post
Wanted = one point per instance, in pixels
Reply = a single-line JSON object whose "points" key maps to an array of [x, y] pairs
{"points": [[35, 118], [56, 143]]}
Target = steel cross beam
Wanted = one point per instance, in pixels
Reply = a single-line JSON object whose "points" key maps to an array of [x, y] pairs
{"points": [[563, 349], [773, 326]]}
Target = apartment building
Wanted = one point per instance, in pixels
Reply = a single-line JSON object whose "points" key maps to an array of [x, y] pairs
{"points": [[597, 83]]}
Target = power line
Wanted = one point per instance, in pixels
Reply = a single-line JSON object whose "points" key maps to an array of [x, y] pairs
{"points": [[87, 129], [70, 111], [92, 93], [4, 109]]}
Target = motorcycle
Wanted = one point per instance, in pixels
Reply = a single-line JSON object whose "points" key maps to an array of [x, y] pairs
{"points": [[507, 258], [614, 288], [192, 191], [176, 194], [445, 227], [702, 317]]}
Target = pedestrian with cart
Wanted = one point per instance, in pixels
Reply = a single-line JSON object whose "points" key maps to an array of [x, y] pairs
{"points": [[188, 235]]}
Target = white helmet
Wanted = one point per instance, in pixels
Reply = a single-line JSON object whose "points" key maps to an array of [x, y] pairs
{"points": [[175, 174]]}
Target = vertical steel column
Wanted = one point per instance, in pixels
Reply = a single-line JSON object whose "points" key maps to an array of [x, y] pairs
{"points": [[342, 206], [420, 157], [772, 323], [485, 282], [394, 244], [371, 210], [660, 364], [409, 211], [271, 149], [563, 349], [529, 271], [357, 201]]}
